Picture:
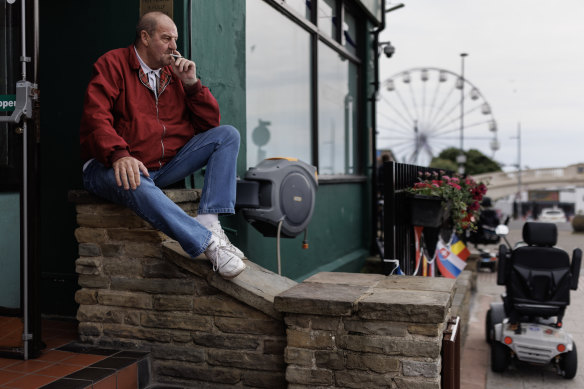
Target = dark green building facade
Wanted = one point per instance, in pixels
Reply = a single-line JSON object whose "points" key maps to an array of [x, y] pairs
{"points": [[296, 77]]}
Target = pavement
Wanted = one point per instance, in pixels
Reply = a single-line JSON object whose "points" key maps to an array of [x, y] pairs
{"points": [[475, 356]]}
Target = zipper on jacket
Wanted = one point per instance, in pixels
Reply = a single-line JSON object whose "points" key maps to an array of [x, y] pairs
{"points": [[158, 117], [163, 134]]}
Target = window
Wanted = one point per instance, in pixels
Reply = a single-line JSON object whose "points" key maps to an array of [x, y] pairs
{"points": [[337, 112], [302, 72], [278, 86]]}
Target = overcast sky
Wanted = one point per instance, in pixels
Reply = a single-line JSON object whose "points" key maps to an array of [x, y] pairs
{"points": [[525, 56]]}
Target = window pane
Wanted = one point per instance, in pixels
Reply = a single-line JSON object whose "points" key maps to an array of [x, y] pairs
{"points": [[350, 33], [327, 20], [337, 112], [300, 6], [278, 86]]}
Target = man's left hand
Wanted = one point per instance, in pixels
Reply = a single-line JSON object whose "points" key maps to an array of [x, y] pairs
{"points": [[185, 70]]}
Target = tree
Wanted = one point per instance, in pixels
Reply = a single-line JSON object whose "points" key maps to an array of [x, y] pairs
{"points": [[476, 162]]}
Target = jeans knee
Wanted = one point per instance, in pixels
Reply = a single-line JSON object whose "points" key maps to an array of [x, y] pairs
{"points": [[230, 132]]}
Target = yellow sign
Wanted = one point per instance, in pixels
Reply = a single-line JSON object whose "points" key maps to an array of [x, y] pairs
{"points": [[164, 6]]}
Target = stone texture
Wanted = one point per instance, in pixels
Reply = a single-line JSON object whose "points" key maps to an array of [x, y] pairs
{"points": [[90, 281], [319, 299], [264, 379], [171, 352], [391, 346], [125, 299], [172, 303], [412, 383], [222, 305], [152, 285], [299, 356], [316, 340], [368, 327], [249, 326], [197, 372], [332, 360], [86, 296], [304, 376], [231, 342], [359, 379], [245, 360], [176, 320], [408, 306], [374, 362], [413, 368], [89, 250]]}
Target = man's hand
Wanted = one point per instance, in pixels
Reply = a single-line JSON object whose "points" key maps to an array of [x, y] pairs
{"points": [[185, 70], [127, 172]]}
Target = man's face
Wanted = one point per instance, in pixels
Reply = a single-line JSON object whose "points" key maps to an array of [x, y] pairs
{"points": [[161, 44]]}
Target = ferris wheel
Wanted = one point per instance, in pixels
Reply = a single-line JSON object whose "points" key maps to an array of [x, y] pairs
{"points": [[421, 111]]}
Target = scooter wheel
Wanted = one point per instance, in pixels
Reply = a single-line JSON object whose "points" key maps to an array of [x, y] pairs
{"points": [[569, 363], [488, 329], [500, 357]]}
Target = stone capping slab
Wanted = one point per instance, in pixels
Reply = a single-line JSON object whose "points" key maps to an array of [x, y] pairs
{"points": [[80, 196], [256, 286], [371, 296]]}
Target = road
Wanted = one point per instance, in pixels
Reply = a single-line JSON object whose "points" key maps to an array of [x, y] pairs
{"points": [[476, 372]]}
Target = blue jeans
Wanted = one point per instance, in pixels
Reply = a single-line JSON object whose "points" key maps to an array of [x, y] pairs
{"points": [[216, 148]]}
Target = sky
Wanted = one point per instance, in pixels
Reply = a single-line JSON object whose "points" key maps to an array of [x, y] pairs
{"points": [[525, 56]]}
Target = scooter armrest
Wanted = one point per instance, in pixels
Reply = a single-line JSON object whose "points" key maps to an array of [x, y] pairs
{"points": [[575, 268]]}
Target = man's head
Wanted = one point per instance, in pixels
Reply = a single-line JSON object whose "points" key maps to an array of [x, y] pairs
{"points": [[156, 36]]}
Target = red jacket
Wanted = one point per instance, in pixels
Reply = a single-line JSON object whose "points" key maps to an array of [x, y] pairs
{"points": [[122, 117]]}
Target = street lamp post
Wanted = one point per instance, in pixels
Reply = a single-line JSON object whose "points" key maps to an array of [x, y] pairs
{"points": [[461, 159]]}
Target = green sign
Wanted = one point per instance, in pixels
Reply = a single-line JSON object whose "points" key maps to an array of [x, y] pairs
{"points": [[7, 103]]}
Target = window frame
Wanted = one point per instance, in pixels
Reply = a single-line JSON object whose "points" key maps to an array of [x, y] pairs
{"points": [[335, 43]]}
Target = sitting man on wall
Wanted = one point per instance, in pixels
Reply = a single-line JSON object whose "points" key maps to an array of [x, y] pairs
{"points": [[147, 123]]}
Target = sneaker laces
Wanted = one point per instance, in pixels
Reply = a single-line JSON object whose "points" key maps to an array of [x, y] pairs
{"points": [[213, 249], [224, 241]]}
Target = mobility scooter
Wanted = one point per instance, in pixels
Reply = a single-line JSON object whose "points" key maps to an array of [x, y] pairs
{"points": [[527, 325]]}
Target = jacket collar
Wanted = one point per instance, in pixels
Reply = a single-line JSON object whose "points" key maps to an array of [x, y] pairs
{"points": [[165, 72]]}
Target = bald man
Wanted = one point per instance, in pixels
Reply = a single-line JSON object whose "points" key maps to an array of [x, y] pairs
{"points": [[147, 123]]}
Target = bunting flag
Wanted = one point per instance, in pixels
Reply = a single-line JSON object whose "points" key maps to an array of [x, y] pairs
{"points": [[458, 247], [449, 264]]}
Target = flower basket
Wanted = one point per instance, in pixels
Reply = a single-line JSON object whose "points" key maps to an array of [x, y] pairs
{"points": [[426, 211]]}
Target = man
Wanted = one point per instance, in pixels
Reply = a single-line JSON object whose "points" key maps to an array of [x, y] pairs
{"points": [[148, 122]]}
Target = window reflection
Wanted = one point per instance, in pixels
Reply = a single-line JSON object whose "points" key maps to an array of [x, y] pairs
{"points": [[300, 6], [278, 86], [337, 112], [327, 20], [349, 38]]}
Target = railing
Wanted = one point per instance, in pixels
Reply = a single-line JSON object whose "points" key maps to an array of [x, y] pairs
{"points": [[396, 240]]}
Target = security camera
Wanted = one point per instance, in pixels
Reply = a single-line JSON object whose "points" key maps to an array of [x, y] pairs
{"points": [[388, 50]]}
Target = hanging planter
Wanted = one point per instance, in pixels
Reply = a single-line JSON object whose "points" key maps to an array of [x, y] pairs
{"points": [[427, 211]]}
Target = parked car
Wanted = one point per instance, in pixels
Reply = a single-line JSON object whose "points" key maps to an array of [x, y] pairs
{"points": [[552, 215]]}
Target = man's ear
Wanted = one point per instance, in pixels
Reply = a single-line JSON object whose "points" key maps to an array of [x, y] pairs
{"points": [[144, 37]]}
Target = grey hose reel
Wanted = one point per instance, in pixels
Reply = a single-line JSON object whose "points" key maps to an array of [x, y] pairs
{"points": [[277, 194]]}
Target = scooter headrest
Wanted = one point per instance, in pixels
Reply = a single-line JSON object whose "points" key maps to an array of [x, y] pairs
{"points": [[540, 234]]}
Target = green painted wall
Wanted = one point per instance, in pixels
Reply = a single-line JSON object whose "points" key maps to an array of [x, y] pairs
{"points": [[10, 252]]}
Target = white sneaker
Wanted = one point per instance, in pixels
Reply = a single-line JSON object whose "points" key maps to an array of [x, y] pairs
{"points": [[218, 232], [224, 261]]}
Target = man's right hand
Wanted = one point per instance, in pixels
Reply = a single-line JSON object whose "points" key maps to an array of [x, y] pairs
{"points": [[127, 171]]}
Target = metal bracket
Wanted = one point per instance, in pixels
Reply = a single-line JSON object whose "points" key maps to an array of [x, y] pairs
{"points": [[24, 98], [26, 337]]}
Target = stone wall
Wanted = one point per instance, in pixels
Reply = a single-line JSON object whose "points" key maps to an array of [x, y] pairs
{"points": [[140, 290], [365, 331]]}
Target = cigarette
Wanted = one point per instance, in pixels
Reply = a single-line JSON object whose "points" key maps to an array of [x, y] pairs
{"points": [[175, 56]]}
